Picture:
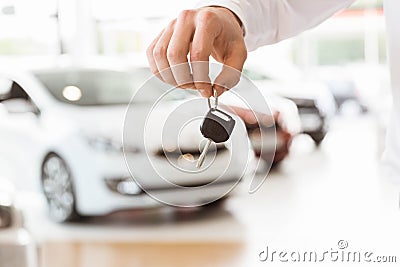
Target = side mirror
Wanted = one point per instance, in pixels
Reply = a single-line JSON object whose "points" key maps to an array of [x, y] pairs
{"points": [[19, 106]]}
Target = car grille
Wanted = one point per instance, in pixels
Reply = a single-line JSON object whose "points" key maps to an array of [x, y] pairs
{"points": [[194, 152]]}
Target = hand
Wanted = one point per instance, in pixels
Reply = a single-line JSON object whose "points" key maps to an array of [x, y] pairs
{"points": [[202, 32]]}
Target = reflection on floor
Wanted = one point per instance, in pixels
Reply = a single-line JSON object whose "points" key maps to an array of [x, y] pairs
{"points": [[317, 197], [104, 254]]}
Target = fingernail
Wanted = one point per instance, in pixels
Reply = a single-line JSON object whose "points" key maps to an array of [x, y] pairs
{"points": [[205, 93]]}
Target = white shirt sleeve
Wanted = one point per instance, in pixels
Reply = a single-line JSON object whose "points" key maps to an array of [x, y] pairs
{"points": [[270, 21]]}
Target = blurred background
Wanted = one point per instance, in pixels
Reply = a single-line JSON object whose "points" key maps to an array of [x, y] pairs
{"points": [[68, 70]]}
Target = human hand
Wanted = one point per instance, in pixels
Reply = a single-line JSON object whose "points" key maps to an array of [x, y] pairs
{"points": [[202, 32]]}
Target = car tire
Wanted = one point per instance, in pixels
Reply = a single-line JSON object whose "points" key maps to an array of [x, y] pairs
{"points": [[318, 137], [275, 164], [57, 186]]}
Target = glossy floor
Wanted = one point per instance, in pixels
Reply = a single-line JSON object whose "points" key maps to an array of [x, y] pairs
{"points": [[323, 199]]}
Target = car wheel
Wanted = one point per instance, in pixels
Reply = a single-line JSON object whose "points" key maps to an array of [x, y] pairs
{"points": [[276, 163], [318, 137], [57, 185]]}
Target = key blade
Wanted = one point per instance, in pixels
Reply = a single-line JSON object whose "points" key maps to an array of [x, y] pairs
{"points": [[203, 154]]}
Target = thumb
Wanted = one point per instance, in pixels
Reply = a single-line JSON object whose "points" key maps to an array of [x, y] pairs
{"points": [[231, 70]]}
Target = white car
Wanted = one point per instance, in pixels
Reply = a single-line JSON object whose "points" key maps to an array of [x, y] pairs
{"points": [[62, 129], [17, 248]]}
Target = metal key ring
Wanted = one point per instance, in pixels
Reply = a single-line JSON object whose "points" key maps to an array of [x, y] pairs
{"points": [[215, 101]]}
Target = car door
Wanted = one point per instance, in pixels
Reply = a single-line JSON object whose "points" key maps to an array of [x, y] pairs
{"points": [[20, 135]]}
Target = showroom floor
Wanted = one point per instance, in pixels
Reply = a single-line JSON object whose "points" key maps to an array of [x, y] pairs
{"points": [[317, 197]]}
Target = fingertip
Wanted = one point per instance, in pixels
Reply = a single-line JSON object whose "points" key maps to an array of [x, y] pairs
{"points": [[205, 93], [187, 86], [204, 88], [220, 89], [227, 79], [157, 74]]}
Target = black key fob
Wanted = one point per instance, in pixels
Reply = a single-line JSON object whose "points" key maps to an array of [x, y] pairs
{"points": [[217, 126]]}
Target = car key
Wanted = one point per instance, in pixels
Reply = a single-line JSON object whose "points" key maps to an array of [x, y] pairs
{"points": [[216, 127]]}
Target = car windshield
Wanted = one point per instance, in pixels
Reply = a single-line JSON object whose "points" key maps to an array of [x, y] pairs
{"points": [[88, 87]]}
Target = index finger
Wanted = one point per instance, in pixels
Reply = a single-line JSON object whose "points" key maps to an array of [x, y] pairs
{"points": [[202, 45]]}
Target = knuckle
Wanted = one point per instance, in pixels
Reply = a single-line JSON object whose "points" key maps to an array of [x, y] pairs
{"points": [[206, 17], [185, 14], [196, 55], [174, 54], [159, 51], [150, 48], [149, 51], [171, 24]]}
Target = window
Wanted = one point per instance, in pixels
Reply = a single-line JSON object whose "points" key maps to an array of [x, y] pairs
{"points": [[24, 32]]}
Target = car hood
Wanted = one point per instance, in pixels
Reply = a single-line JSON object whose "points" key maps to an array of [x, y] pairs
{"points": [[112, 122], [99, 121]]}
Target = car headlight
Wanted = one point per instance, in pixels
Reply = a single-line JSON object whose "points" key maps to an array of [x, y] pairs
{"points": [[105, 144], [123, 186]]}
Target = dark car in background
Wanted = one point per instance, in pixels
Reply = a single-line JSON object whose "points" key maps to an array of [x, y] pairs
{"points": [[314, 122], [315, 103], [271, 134], [271, 121], [343, 84], [345, 92]]}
